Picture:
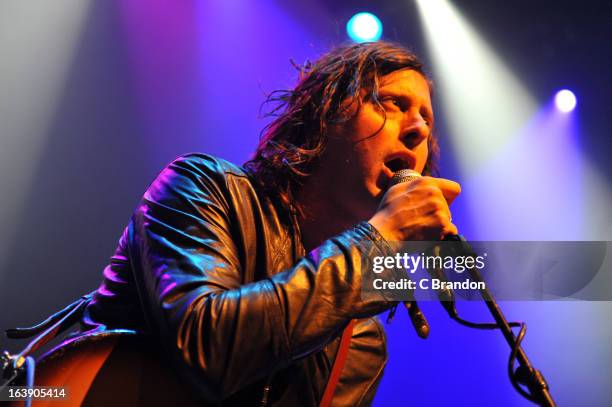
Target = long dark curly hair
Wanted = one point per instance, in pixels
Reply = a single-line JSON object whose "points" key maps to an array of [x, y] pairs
{"points": [[292, 143]]}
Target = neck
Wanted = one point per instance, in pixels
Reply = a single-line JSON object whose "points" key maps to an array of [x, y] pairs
{"points": [[324, 216]]}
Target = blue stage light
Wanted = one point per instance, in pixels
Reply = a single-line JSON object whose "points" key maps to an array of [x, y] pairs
{"points": [[364, 27], [565, 100]]}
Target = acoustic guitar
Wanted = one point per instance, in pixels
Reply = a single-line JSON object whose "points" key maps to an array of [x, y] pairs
{"points": [[110, 370]]}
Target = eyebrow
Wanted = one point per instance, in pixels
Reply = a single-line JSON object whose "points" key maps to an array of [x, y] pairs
{"points": [[405, 95]]}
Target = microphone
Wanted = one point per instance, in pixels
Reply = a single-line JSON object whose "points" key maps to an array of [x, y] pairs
{"points": [[445, 295]]}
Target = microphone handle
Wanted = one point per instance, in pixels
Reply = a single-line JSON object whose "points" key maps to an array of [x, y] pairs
{"points": [[419, 322]]}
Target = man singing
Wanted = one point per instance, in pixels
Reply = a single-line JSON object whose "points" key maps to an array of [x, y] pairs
{"points": [[248, 276]]}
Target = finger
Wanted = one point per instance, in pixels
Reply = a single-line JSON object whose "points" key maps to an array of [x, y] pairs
{"points": [[397, 189], [449, 230], [450, 189]]}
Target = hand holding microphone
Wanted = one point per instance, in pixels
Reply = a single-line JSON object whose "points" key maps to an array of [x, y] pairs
{"points": [[416, 208]]}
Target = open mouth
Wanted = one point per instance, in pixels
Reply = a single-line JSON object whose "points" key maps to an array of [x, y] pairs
{"points": [[397, 164]]}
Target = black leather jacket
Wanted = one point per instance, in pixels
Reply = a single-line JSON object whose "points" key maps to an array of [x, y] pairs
{"points": [[217, 272]]}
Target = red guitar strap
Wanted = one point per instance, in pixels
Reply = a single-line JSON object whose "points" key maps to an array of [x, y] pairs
{"points": [[334, 376]]}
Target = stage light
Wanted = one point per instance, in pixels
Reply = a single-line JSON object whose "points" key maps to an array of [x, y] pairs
{"points": [[505, 144], [565, 100], [31, 97], [485, 103], [364, 27]]}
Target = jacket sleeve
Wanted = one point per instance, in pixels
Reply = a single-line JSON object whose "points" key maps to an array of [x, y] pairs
{"points": [[188, 276]]}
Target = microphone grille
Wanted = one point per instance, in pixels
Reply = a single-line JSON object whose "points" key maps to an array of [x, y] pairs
{"points": [[404, 176]]}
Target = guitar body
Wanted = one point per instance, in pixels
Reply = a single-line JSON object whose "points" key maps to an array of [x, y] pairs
{"points": [[111, 370]]}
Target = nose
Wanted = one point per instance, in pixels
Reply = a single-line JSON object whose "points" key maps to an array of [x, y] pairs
{"points": [[415, 130]]}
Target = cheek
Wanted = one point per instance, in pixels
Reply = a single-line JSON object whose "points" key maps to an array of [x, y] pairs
{"points": [[367, 122], [371, 150], [422, 152]]}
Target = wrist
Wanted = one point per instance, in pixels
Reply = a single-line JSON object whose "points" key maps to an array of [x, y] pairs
{"points": [[380, 227]]}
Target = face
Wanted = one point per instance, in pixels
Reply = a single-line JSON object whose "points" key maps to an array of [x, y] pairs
{"points": [[359, 165]]}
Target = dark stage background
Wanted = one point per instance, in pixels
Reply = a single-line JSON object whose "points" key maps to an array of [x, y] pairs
{"points": [[97, 96]]}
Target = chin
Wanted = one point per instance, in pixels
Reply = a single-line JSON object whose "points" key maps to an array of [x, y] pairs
{"points": [[375, 193], [378, 188]]}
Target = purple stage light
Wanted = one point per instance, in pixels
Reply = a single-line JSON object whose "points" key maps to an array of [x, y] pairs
{"points": [[565, 100]]}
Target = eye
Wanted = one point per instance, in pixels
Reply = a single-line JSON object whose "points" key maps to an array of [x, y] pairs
{"points": [[393, 101]]}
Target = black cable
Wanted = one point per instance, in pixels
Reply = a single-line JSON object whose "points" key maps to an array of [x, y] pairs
{"points": [[482, 325], [512, 373]]}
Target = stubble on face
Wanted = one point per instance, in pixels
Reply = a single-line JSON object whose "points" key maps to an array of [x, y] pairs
{"points": [[354, 164], [353, 173]]}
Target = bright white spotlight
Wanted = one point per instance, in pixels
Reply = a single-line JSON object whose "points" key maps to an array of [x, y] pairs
{"points": [[364, 27], [565, 100], [486, 104], [31, 96]]}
